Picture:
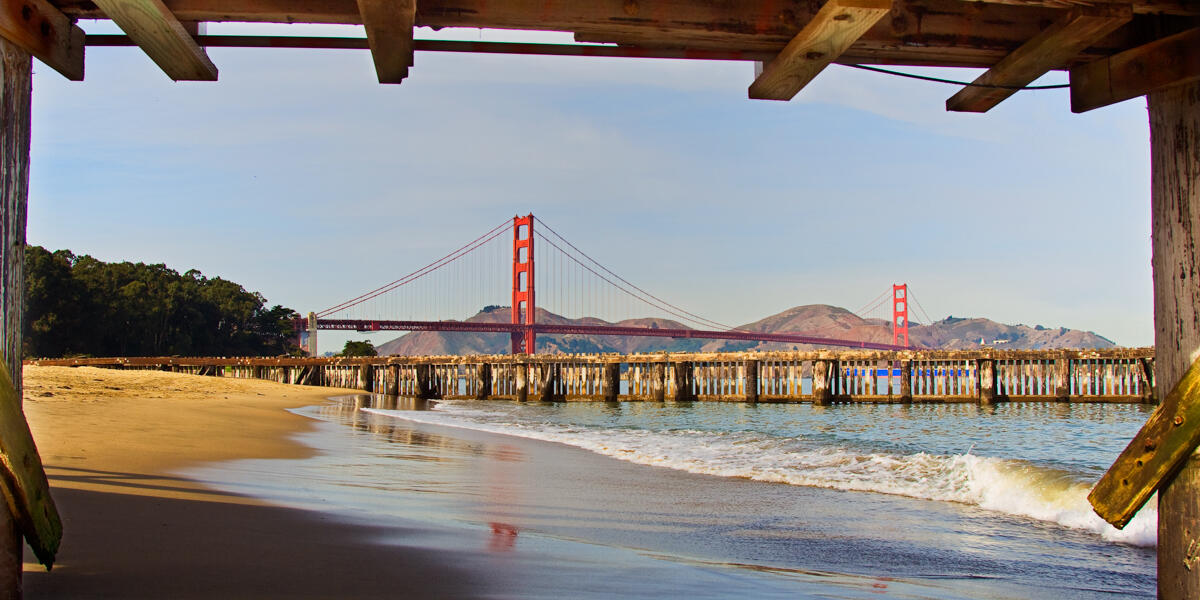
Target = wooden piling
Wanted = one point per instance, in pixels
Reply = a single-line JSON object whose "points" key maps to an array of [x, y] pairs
{"points": [[15, 97], [1062, 379], [366, 377], [822, 371], [750, 380], [1175, 233], [391, 382], [985, 371], [551, 377], [906, 394], [522, 377], [612, 381], [1146, 381], [684, 380], [483, 381], [425, 388], [658, 382]]}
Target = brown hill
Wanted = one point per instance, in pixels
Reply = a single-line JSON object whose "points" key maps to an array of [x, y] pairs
{"points": [[814, 319]]}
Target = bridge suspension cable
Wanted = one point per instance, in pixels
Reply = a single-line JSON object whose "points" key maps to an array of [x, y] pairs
{"points": [[628, 288], [415, 275]]}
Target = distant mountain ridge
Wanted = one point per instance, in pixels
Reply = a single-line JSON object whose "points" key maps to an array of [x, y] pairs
{"points": [[813, 319]]}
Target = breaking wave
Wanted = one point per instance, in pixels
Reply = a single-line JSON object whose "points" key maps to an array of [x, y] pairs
{"points": [[1003, 485]]}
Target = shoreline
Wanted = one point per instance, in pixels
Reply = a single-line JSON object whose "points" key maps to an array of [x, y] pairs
{"points": [[200, 487], [111, 442]]}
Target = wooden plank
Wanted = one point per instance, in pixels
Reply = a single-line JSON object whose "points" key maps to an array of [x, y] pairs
{"points": [[1053, 48], [45, 32], [162, 37], [1172, 60], [389, 25], [22, 478], [836, 26], [1156, 453]]}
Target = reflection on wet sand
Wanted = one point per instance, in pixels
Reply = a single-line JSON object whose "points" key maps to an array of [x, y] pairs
{"points": [[502, 493], [348, 409]]}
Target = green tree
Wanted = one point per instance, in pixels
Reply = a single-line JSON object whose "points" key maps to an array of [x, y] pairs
{"points": [[80, 305], [363, 348]]}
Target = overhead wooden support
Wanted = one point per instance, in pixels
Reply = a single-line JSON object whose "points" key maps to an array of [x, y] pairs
{"points": [[835, 27], [1053, 48], [389, 25], [152, 26], [1136, 72], [43, 31]]}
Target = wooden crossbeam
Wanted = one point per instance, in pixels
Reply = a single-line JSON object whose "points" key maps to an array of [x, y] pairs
{"points": [[1157, 452], [835, 28], [1053, 48], [162, 37], [43, 31], [389, 25], [1136, 72]]}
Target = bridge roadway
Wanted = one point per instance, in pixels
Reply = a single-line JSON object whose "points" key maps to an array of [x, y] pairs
{"points": [[364, 325]]}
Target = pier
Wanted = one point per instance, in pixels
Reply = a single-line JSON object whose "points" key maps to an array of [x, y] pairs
{"points": [[821, 377]]}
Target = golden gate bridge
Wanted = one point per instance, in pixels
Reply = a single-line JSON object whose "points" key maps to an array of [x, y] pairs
{"points": [[488, 271]]}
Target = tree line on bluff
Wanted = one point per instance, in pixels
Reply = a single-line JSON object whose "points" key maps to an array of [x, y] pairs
{"points": [[81, 306]]}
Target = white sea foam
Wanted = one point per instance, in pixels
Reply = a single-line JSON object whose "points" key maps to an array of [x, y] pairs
{"points": [[1001, 485]]}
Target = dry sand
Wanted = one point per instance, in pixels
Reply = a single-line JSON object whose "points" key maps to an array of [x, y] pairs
{"points": [[111, 439]]}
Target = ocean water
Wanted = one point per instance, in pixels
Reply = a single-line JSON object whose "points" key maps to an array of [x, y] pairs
{"points": [[795, 500], [1029, 460]]}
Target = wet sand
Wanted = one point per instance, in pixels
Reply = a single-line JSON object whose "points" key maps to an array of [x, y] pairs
{"points": [[164, 484], [111, 440]]}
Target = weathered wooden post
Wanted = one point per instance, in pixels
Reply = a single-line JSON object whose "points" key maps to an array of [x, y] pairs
{"points": [[15, 89], [1146, 381], [906, 380], [612, 381], [821, 381], [658, 382], [425, 388], [391, 382], [1062, 378], [522, 376], [366, 377], [684, 382], [751, 380], [1175, 229], [483, 382], [551, 377], [985, 370]]}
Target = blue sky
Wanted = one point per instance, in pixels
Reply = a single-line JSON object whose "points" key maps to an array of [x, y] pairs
{"points": [[300, 177]]}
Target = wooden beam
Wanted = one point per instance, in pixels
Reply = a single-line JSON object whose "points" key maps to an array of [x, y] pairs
{"points": [[1155, 454], [162, 37], [45, 32], [389, 25], [836, 26], [1136, 72], [1053, 48]]}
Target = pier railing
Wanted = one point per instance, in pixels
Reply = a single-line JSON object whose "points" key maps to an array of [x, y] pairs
{"points": [[821, 377]]}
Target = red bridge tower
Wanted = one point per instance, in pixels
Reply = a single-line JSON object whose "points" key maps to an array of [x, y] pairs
{"points": [[900, 314], [523, 307]]}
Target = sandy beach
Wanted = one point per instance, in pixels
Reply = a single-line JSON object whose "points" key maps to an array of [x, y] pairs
{"points": [[181, 486], [111, 440]]}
